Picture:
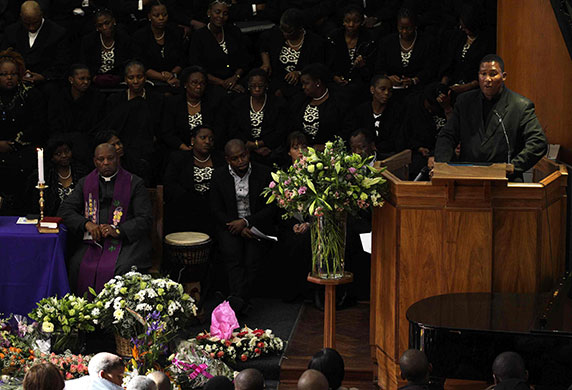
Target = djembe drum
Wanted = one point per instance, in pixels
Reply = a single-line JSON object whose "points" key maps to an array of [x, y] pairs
{"points": [[186, 256]]}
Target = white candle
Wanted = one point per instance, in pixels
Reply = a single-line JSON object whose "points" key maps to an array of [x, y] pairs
{"points": [[41, 166]]}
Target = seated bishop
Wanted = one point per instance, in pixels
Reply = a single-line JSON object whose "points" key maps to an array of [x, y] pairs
{"points": [[110, 210]]}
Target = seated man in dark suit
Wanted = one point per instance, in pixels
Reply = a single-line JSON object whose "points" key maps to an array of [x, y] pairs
{"points": [[41, 42], [493, 124], [237, 207]]}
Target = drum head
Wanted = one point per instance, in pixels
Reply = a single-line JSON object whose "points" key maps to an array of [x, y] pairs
{"points": [[186, 238]]}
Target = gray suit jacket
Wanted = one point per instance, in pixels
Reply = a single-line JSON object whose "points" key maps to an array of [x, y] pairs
{"points": [[482, 142]]}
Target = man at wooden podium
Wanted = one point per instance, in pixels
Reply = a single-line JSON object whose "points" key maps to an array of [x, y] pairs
{"points": [[493, 124]]}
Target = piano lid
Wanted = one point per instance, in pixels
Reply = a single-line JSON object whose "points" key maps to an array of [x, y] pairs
{"points": [[498, 312]]}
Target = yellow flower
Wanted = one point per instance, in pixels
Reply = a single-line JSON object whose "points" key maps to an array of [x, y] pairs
{"points": [[47, 327]]}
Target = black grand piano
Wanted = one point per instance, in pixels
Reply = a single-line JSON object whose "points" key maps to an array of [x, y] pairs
{"points": [[461, 334]]}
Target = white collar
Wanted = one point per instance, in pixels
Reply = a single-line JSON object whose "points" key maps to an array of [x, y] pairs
{"points": [[235, 175], [106, 179]]}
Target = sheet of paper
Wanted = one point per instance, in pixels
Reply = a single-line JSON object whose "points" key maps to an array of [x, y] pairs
{"points": [[366, 242], [24, 221], [259, 234]]}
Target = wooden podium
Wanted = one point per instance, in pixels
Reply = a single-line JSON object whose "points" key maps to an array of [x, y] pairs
{"points": [[469, 230]]}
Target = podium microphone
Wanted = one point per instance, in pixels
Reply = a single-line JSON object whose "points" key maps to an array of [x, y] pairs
{"points": [[505, 135]]}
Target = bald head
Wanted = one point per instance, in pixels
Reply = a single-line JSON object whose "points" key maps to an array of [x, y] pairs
{"points": [[106, 160], [312, 380], [161, 380], [414, 366], [234, 145], [509, 365], [31, 16], [249, 379]]}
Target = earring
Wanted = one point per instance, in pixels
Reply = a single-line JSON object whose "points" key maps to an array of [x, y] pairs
{"points": [[317, 84]]}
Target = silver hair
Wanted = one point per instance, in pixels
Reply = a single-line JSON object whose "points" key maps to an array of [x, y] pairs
{"points": [[141, 382], [103, 361]]}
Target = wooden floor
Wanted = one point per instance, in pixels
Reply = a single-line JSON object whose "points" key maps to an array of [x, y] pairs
{"points": [[352, 342]]}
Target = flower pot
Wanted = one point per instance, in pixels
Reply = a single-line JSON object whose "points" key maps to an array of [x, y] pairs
{"points": [[328, 233], [123, 346]]}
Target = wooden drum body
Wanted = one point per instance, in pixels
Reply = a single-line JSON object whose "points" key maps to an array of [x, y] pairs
{"points": [[186, 255]]}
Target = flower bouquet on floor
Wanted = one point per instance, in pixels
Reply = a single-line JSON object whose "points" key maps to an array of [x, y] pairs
{"points": [[192, 367], [243, 345], [72, 366], [127, 298], [65, 321], [326, 186]]}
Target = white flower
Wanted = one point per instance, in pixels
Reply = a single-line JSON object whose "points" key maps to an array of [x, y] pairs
{"points": [[118, 314], [95, 312]]}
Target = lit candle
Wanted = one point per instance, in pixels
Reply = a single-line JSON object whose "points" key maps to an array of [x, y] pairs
{"points": [[41, 166]]}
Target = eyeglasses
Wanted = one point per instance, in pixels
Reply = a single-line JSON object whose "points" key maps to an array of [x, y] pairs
{"points": [[9, 75], [195, 83]]}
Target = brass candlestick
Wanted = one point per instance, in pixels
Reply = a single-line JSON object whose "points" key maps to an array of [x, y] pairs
{"points": [[41, 187]]}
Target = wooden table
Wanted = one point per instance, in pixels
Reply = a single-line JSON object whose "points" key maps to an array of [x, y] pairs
{"points": [[330, 305]]}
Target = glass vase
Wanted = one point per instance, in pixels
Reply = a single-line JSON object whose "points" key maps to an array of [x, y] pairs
{"points": [[328, 234]]}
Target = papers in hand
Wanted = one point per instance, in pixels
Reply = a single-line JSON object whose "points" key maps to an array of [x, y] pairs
{"points": [[366, 242], [258, 234]]}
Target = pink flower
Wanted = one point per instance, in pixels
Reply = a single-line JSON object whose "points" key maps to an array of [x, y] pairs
{"points": [[302, 190], [272, 184], [287, 182], [352, 170], [69, 376]]}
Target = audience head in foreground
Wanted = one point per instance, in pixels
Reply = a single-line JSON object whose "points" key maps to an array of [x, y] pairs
{"points": [[141, 382], [415, 368], [330, 363], [509, 372], [43, 377], [249, 379], [161, 380], [107, 366], [312, 380], [218, 383]]}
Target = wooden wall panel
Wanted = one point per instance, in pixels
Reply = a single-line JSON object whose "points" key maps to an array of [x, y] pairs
{"points": [[515, 251], [537, 63]]}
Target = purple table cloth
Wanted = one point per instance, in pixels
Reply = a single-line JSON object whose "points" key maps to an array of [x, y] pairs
{"points": [[32, 266]]}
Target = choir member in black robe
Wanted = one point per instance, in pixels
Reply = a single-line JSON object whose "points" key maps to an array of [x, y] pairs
{"points": [[76, 110], [160, 46], [187, 184], [106, 50], [406, 57], [286, 50], [319, 114], [62, 174], [260, 119], [353, 57], [22, 114], [220, 48], [193, 108], [381, 117], [135, 114]]}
